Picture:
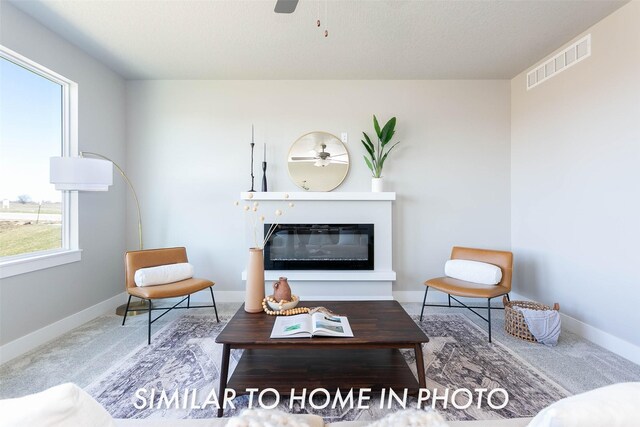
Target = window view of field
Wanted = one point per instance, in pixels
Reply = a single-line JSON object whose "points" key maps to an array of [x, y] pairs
{"points": [[31, 132], [29, 227]]}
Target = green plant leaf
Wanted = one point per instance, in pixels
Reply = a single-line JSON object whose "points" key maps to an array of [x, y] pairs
{"points": [[366, 137], [369, 164], [369, 149], [386, 154], [387, 131], [376, 126], [389, 137]]}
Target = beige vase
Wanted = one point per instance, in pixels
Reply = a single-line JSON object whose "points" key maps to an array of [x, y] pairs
{"points": [[255, 282]]}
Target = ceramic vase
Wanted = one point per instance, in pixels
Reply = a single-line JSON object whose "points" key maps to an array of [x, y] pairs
{"points": [[377, 185], [282, 290], [255, 282]]}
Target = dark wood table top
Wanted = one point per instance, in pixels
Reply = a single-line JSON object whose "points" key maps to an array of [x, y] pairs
{"points": [[375, 324]]}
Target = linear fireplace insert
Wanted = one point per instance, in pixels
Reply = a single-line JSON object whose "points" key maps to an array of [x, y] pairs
{"points": [[319, 247]]}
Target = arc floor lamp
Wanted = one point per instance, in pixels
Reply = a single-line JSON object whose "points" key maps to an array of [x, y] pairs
{"points": [[94, 174]]}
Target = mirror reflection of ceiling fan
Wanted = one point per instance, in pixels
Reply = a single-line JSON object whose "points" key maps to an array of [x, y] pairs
{"points": [[322, 158], [285, 6]]}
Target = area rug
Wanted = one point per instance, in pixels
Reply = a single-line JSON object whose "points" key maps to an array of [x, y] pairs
{"points": [[183, 355]]}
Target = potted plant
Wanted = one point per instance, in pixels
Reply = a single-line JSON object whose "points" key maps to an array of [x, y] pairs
{"points": [[378, 152]]}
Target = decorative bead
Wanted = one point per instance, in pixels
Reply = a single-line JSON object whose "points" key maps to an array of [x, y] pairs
{"points": [[281, 312]]}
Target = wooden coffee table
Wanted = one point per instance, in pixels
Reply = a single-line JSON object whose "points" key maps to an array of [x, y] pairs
{"points": [[371, 359]]}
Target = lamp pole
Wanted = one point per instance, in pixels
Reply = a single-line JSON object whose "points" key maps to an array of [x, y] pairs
{"points": [[140, 307], [126, 179]]}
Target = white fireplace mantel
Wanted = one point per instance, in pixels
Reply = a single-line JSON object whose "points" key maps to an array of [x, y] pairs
{"points": [[336, 208], [320, 196]]}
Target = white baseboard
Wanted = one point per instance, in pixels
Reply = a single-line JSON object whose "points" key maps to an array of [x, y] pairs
{"points": [[597, 336], [30, 341], [204, 297], [408, 296]]}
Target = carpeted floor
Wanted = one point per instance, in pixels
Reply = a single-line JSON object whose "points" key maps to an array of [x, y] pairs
{"points": [[94, 353], [184, 355]]}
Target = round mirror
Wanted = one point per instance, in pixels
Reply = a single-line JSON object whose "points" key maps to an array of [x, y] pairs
{"points": [[318, 161]]}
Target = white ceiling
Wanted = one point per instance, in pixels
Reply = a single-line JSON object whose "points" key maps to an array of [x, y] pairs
{"points": [[225, 39]]}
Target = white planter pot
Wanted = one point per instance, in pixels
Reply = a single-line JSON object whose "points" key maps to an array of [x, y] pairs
{"points": [[377, 185]]}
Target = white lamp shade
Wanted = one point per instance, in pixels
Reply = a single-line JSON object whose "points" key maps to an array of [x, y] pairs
{"points": [[80, 173]]}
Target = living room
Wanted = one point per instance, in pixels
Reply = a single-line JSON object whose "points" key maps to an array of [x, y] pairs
{"points": [[517, 133]]}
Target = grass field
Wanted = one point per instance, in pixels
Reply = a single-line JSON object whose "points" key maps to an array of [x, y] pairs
{"points": [[17, 237], [47, 208]]}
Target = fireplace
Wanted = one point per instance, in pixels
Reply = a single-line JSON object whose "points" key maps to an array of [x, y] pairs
{"points": [[319, 247]]}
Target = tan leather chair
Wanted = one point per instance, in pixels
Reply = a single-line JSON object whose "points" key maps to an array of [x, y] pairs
{"points": [[135, 260], [451, 286]]}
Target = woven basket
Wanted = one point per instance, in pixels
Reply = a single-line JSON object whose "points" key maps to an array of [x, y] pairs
{"points": [[514, 322]]}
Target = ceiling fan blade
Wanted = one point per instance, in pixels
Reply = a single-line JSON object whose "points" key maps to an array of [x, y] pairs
{"points": [[303, 158], [285, 6]]}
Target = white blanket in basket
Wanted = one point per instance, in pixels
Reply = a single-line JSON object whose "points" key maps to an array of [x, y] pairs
{"points": [[544, 325]]}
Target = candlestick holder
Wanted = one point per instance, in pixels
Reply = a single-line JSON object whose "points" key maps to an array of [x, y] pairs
{"points": [[252, 176], [264, 176]]}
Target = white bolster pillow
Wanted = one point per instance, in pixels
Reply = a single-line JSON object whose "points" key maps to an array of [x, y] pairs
{"points": [[163, 274], [473, 271]]}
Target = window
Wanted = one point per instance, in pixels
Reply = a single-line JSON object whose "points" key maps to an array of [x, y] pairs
{"points": [[38, 225]]}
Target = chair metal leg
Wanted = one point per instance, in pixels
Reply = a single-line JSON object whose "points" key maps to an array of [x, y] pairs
{"points": [[449, 295], [489, 316], [508, 299], [188, 300], [215, 307], [424, 301], [126, 310], [149, 328]]}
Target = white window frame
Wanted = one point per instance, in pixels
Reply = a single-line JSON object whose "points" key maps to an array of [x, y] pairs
{"points": [[70, 251]]}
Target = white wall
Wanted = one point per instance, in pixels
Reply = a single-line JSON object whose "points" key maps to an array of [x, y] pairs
{"points": [[32, 301], [188, 155], [575, 174]]}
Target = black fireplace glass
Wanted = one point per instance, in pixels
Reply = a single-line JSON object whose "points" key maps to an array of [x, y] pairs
{"points": [[319, 247]]}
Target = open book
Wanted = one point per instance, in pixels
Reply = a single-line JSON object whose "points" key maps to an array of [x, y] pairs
{"points": [[308, 325]]}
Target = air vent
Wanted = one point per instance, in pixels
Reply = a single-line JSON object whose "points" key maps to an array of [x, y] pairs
{"points": [[560, 62]]}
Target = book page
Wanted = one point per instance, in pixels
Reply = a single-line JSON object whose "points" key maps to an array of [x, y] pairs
{"points": [[324, 324], [292, 326]]}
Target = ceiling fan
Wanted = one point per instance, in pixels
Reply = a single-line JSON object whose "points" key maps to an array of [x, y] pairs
{"points": [[322, 158], [289, 6], [285, 6]]}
